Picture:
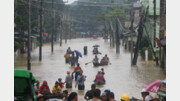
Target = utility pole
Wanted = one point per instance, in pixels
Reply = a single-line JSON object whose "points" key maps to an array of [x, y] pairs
{"points": [[60, 26], [66, 24], [61, 31], [40, 33], [29, 36], [106, 32], [112, 33], [66, 32], [162, 32], [117, 36], [70, 30], [70, 33], [154, 22], [140, 33], [132, 30], [52, 35], [110, 36]]}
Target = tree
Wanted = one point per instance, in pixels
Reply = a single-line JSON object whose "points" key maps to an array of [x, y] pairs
{"points": [[116, 12]]}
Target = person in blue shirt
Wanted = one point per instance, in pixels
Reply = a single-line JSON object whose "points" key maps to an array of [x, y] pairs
{"points": [[80, 81]]}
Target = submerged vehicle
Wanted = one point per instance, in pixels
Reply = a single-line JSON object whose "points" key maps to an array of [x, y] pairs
{"points": [[24, 86]]}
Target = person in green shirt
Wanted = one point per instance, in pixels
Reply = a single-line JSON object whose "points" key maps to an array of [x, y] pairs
{"points": [[69, 50]]}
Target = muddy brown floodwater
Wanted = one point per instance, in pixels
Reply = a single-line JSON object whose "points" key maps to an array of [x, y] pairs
{"points": [[120, 76]]}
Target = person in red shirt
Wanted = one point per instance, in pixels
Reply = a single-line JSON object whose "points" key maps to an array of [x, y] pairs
{"points": [[78, 67], [44, 87], [76, 71]]}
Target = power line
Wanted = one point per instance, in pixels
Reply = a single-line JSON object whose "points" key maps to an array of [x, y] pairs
{"points": [[92, 4], [35, 5]]}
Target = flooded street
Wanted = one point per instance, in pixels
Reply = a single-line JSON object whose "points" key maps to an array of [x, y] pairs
{"points": [[120, 76]]}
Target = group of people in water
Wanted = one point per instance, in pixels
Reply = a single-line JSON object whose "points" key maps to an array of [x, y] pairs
{"points": [[95, 94], [92, 95], [70, 57], [104, 60], [44, 89], [59, 85]]}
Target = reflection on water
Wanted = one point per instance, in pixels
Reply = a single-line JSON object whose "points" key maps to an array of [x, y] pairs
{"points": [[120, 76]]}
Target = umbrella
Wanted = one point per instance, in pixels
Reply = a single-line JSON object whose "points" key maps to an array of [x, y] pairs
{"points": [[78, 53], [96, 46], [153, 86]]}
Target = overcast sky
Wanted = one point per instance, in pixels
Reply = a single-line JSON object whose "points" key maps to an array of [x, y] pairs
{"points": [[70, 1]]}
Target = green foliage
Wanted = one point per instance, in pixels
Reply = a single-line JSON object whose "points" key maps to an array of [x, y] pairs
{"points": [[144, 43], [130, 1], [37, 43], [150, 53], [17, 45], [112, 1], [21, 15], [87, 17], [47, 16], [145, 46], [116, 12]]}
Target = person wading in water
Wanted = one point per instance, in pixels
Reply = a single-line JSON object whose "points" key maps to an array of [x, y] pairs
{"points": [[96, 60], [77, 71], [72, 60], [99, 80], [80, 81], [68, 80]]}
